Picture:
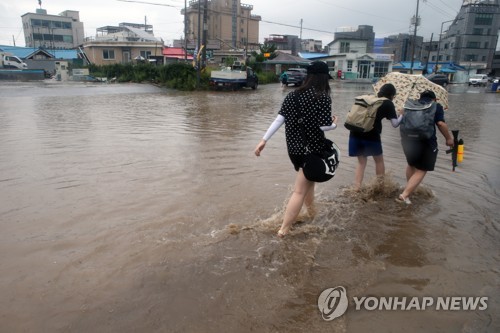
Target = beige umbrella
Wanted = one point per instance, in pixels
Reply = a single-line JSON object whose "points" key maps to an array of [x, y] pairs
{"points": [[410, 86]]}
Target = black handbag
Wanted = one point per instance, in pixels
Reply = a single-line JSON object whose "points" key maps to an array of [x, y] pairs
{"points": [[318, 167]]}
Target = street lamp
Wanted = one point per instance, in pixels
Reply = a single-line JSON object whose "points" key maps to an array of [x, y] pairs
{"points": [[439, 42]]}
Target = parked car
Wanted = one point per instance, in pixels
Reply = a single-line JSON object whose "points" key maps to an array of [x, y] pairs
{"points": [[478, 80], [440, 79], [296, 76]]}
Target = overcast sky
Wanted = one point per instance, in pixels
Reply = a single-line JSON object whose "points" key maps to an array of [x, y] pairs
{"points": [[320, 18]]}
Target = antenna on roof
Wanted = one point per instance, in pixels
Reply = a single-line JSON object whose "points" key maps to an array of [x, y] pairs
{"points": [[40, 3]]}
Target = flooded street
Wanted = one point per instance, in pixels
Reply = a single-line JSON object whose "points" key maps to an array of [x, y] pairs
{"points": [[132, 208]]}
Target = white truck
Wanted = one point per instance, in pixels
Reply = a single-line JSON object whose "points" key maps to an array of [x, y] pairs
{"points": [[9, 61], [235, 77]]}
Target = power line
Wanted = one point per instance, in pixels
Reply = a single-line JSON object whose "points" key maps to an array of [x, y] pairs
{"points": [[438, 9], [453, 9], [357, 11], [150, 3], [298, 27]]}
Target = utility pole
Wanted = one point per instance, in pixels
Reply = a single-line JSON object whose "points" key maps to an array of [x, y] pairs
{"points": [[414, 39], [205, 28], [198, 46], [300, 47], [185, 31]]}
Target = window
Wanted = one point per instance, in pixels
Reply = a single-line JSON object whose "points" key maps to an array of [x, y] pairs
{"points": [[68, 39], [349, 65], [344, 47], [483, 19], [108, 54], [381, 68], [470, 57], [477, 31], [473, 45], [483, 58], [486, 44], [146, 54]]}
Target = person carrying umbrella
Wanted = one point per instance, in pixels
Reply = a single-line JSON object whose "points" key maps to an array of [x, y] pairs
{"points": [[363, 144], [421, 154]]}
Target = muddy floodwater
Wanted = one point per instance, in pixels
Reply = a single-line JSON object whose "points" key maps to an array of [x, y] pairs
{"points": [[132, 208]]}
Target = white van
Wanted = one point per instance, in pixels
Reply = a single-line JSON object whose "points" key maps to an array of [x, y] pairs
{"points": [[478, 80]]}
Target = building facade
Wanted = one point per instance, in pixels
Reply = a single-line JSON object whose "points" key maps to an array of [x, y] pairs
{"points": [[311, 45], [228, 21], [363, 33], [471, 39], [123, 44], [350, 59], [290, 43], [63, 31], [402, 46]]}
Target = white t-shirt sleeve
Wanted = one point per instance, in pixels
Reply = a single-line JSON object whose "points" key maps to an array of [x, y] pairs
{"points": [[280, 120], [328, 128], [395, 122]]}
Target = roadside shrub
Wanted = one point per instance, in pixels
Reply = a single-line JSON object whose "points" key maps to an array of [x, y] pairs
{"points": [[179, 76], [267, 77]]}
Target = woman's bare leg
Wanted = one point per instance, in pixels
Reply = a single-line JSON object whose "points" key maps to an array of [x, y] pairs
{"points": [[301, 189]]}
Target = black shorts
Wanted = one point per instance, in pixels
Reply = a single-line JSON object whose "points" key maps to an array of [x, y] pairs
{"points": [[420, 154], [297, 161]]}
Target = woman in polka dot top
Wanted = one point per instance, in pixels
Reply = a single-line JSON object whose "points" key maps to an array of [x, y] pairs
{"points": [[313, 99]]}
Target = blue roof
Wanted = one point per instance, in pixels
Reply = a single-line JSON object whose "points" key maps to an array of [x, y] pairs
{"points": [[64, 54], [20, 52], [25, 52], [310, 55], [407, 65], [446, 67]]}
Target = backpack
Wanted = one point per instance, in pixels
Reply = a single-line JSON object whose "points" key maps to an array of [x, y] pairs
{"points": [[361, 117], [418, 120]]}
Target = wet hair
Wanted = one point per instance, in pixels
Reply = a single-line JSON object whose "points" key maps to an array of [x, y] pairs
{"points": [[387, 91]]}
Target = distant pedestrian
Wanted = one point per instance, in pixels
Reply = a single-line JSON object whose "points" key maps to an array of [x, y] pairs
{"points": [[284, 79], [315, 102], [421, 154], [363, 144]]}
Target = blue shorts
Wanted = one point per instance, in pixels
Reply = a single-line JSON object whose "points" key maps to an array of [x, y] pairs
{"points": [[362, 147]]}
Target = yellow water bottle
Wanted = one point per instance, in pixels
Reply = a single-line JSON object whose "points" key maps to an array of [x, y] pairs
{"points": [[460, 151]]}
